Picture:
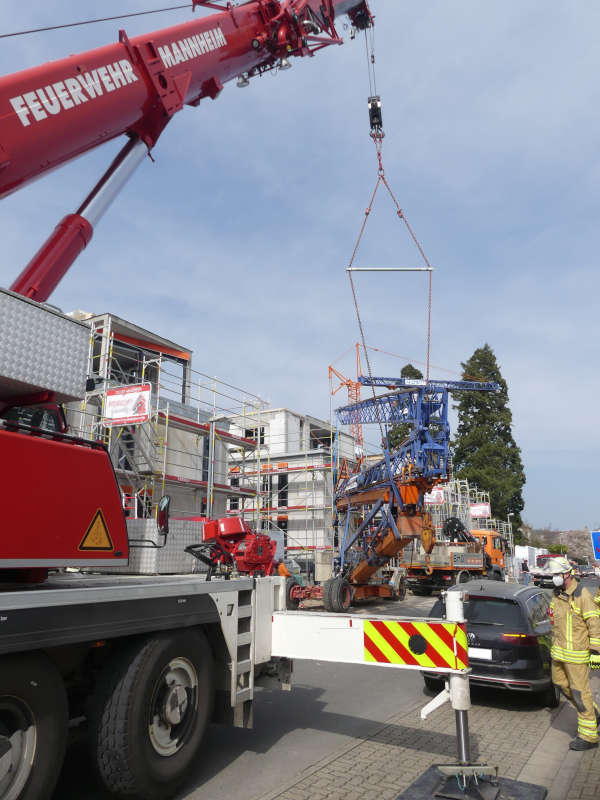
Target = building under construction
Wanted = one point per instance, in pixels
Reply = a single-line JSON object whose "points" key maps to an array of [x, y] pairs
{"points": [[293, 463], [175, 445]]}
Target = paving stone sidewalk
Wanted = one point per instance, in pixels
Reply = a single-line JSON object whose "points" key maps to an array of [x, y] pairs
{"points": [[381, 767]]}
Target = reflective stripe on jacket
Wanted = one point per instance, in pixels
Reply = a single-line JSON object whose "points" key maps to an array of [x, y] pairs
{"points": [[575, 625]]}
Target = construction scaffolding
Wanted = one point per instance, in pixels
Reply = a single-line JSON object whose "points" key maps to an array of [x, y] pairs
{"points": [[294, 462], [176, 446]]}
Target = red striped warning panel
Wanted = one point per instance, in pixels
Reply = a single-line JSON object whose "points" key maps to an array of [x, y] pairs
{"points": [[416, 644]]}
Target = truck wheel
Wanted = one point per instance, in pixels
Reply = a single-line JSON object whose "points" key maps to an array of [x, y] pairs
{"points": [[463, 576], [150, 712], [340, 594], [327, 594], [422, 591], [33, 726], [290, 603], [401, 593]]}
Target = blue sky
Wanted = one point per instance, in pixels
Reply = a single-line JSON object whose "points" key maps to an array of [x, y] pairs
{"points": [[235, 241]]}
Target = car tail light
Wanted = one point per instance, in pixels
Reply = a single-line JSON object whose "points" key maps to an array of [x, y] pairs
{"points": [[520, 639]]}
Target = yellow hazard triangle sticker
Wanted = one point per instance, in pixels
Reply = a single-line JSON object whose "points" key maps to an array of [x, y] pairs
{"points": [[97, 536]]}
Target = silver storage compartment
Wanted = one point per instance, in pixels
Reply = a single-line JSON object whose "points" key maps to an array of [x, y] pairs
{"points": [[40, 349], [170, 559]]}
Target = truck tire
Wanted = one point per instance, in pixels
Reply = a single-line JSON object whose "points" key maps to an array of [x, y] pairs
{"points": [[422, 591], [290, 603], [463, 576], [327, 594], [340, 594], [33, 726], [150, 712]]}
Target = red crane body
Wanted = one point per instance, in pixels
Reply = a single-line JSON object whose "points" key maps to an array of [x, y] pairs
{"points": [[59, 110], [51, 114]]}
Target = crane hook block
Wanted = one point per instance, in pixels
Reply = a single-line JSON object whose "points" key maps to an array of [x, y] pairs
{"points": [[375, 118]]}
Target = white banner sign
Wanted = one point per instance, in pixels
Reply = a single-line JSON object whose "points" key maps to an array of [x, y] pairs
{"points": [[481, 510], [435, 497], [127, 406]]}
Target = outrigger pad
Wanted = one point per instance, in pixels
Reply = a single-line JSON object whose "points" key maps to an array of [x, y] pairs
{"points": [[434, 785]]}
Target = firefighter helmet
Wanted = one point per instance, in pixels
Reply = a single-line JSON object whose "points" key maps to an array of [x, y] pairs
{"points": [[559, 565]]}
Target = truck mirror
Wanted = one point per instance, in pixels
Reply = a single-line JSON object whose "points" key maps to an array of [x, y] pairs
{"points": [[162, 517]]}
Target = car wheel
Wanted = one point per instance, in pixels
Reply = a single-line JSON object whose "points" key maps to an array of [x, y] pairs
{"points": [[150, 712], [550, 697], [433, 684]]}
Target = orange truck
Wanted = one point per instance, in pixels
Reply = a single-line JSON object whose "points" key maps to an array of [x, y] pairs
{"points": [[455, 558]]}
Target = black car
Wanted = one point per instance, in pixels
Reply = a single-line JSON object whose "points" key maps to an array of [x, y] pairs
{"points": [[508, 632]]}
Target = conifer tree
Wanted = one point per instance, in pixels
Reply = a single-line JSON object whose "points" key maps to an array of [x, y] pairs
{"points": [[484, 450]]}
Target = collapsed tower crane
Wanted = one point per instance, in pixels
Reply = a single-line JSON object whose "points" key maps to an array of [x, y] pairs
{"points": [[390, 493]]}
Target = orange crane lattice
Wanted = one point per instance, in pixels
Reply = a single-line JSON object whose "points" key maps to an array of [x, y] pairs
{"points": [[353, 387]]}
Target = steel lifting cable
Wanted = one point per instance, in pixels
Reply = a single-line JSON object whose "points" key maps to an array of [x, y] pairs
{"points": [[377, 135], [93, 21], [360, 325]]}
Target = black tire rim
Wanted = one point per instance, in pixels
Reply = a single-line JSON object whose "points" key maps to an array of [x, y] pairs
{"points": [[18, 739], [173, 707]]}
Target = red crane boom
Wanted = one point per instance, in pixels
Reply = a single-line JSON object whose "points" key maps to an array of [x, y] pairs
{"points": [[59, 110]]}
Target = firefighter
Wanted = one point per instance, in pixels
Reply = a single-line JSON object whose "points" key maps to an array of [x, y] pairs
{"points": [[575, 621]]}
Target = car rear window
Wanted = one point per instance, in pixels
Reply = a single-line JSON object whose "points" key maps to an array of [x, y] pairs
{"points": [[489, 611], [493, 611]]}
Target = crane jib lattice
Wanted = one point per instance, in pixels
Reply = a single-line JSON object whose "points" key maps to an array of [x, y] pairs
{"points": [[411, 383], [423, 406]]}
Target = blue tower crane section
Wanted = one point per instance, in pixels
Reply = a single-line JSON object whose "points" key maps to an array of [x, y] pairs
{"points": [[389, 495], [424, 453], [451, 386]]}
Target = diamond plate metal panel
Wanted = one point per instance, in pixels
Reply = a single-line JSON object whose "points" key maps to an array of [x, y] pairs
{"points": [[40, 349], [170, 559]]}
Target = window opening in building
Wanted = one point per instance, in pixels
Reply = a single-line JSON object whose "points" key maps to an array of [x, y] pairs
{"points": [[205, 451], [234, 502], [126, 450], [256, 434], [282, 493], [320, 438]]}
